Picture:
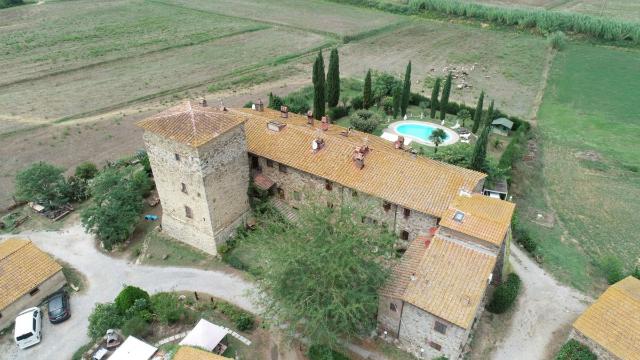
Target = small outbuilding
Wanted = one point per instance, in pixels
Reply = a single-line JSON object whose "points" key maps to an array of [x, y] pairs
{"points": [[27, 276], [207, 336], [502, 126], [134, 349]]}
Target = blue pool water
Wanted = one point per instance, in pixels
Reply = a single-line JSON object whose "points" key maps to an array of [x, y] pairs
{"points": [[420, 131]]}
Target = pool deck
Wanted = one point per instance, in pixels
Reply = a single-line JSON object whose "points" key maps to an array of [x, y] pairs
{"points": [[452, 136]]}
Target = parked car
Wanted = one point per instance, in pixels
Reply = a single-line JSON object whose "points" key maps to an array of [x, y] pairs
{"points": [[28, 328], [58, 307]]}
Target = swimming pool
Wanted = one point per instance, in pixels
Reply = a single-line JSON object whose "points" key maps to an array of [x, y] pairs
{"points": [[420, 131]]}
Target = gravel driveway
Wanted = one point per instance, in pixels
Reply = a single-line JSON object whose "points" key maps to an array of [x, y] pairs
{"points": [[545, 310], [106, 276]]}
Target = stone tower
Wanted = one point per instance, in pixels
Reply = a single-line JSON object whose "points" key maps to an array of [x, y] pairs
{"points": [[199, 159]]}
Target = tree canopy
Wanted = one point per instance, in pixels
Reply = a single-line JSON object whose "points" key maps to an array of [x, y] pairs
{"points": [[437, 137], [323, 271], [434, 98], [367, 96], [42, 183], [333, 79], [318, 79], [444, 100], [406, 90], [477, 116]]}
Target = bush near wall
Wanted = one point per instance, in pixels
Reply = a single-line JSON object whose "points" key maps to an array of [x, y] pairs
{"points": [[540, 20], [574, 350], [320, 352], [505, 295]]}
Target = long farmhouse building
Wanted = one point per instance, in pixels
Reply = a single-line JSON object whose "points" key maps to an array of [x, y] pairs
{"points": [[204, 158]]}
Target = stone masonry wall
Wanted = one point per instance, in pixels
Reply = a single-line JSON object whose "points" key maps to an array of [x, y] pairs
{"points": [[48, 287], [388, 318], [596, 348], [417, 334], [225, 167]]}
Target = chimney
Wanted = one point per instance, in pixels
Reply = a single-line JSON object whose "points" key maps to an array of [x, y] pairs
{"points": [[317, 144], [203, 102], [259, 106], [399, 144], [284, 111], [325, 123], [310, 118], [358, 157]]}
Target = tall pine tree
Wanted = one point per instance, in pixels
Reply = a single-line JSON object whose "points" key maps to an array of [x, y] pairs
{"points": [[477, 116], [397, 100], [333, 79], [318, 87], [479, 155], [489, 118], [434, 97], [444, 100], [367, 96], [406, 90]]}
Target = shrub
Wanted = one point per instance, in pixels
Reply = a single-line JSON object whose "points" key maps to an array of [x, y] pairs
{"points": [[365, 121], [275, 102], [141, 308], [248, 105], [297, 103], [143, 157], [387, 105], [557, 40], [357, 102], [321, 352], [136, 326], [42, 183], [103, 318], [525, 240], [10, 3], [142, 182], [574, 350], [127, 298], [338, 112], [636, 272], [167, 307], [243, 320], [505, 295], [86, 171], [77, 189], [612, 268]]}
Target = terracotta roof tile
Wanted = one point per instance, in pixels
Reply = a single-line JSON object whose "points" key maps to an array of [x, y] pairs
{"points": [[451, 280], [613, 321], [190, 353], [417, 183], [484, 217], [402, 271], [191, 123], [22, 268]]}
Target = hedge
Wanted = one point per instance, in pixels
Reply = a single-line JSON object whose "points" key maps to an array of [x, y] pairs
{"points": [[542, 20], [321, 352], [574, 350], [505, 295], [128, 297], [242, 319]]}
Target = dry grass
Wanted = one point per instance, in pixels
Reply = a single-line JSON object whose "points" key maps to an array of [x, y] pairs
{"points": [[508, 67]]}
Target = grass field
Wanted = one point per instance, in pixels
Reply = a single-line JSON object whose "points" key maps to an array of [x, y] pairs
{"points": [[507, 65], [589, 127]]}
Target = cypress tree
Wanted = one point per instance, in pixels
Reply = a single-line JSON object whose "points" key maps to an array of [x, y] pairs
{"points": [[434, 98], [444, 100], [479, 155], [477, 116], [489, 118], [397, 101], [333, 79], [406, 91], [366, 93], [318, 87]]}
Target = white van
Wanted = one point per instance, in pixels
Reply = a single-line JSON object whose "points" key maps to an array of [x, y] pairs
{"points": [[28, 326]]}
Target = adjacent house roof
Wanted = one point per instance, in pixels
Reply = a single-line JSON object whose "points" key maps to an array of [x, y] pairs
{"points": [[191, 123], [22, 268], [613, 321], [504, 122], [134, 349], [482, 217], [449, 281], [395, 175], [205, 335], [408, 265], [189, 353]]}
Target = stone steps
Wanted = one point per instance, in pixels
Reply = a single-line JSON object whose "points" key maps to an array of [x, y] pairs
{"points": [[287, 211]]}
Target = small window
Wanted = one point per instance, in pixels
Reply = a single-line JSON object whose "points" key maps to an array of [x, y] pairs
{"points": [[435, 345], [386, 206], [34, 291], [404, 235], [34, 324], [269, 163], [183, 188], [393, 307], [282, 168], [440, 327], [458, 216], [407, 213], [438, 221], [188, 213], [0, 315], [177, 156], [328, 185], [354, 193], [296, 195]]}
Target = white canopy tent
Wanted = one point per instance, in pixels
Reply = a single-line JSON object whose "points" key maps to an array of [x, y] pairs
{"points": [[205, 335], [134, 349]]}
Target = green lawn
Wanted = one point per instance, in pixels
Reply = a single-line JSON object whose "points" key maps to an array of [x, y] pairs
{"points": [[589, 126]]}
